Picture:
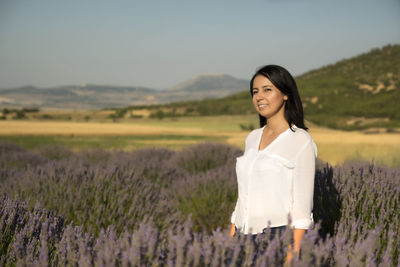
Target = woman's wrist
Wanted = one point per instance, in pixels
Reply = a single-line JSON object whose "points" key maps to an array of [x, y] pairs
{"points": [[232, 230]]}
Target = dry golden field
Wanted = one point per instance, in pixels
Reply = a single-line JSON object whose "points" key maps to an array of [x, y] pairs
{"points": [[333, 146]]}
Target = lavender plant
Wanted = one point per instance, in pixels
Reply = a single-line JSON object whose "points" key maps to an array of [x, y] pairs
{"points": [[36, 237], [207, 196], [205, 156], [156, 207]]}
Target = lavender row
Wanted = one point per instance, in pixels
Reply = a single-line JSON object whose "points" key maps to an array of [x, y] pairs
{"points": [[36, 237], [154, 192], [99, 188]]}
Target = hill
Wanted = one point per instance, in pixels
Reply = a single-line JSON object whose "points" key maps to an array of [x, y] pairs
{"points": [[363, 91], [207, 82], [83, 96], [89, 96], [357, 93]]}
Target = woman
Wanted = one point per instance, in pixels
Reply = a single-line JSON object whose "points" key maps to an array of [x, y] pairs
{"points": [[276, 173]]}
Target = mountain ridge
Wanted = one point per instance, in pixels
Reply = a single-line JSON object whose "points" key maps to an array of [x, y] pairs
{"points": [[208, 82], [88, 96], [355, 93]]}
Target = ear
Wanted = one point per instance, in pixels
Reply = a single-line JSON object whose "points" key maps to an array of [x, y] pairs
{"points": [[285, 97]]}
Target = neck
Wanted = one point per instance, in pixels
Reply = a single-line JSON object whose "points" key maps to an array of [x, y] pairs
{"points": [[276, 125], [277, 122]]}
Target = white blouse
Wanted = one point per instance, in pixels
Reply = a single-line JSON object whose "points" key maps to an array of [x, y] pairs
{"points": [[275, 183]]}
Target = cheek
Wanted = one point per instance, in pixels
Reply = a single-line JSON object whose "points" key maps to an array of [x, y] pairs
{"points": [[276, 99]]}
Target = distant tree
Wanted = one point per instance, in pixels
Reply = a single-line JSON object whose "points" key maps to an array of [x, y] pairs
{"points": [[19, 115], [47, 116], [189, 110], [249, 127], [120, 113], [30, 110], [113, 117], [159, 114]]}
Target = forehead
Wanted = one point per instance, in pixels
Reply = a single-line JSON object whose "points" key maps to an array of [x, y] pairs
{"points": [[260, 81]]}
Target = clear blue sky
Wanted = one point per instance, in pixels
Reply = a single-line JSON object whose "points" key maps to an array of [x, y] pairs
{"points": [[158, 44]]}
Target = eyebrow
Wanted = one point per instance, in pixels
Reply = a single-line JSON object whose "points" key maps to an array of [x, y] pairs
{"points": [[265, 86]]}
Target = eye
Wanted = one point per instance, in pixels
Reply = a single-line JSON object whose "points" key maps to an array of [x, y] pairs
{"points": [[267, 89]]}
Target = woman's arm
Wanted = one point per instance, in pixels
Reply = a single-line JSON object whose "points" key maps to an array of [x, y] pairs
{"points": [[303, 187], [233, 216], [232, 230], [303, 192]]}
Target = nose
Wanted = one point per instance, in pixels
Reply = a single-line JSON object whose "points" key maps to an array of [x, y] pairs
{"points": [[258, 97]]}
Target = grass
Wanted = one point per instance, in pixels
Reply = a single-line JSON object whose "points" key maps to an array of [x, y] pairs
{"points": [[120, 142], [381, 153], [334, 146]]}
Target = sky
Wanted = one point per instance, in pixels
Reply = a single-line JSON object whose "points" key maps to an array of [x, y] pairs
{"points": [[158, 44]]}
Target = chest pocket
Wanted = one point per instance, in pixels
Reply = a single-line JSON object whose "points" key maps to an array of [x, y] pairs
{"points": [[272, 162]]}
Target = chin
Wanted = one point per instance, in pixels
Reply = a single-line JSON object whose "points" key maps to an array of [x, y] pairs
{"points": [[263, 114]]}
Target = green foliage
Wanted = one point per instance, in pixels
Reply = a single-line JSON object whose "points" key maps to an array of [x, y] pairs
{"points": [[159, 114], [331, 95], [19, 115], [6, 111], [120, 113], [334, 94], [30, 110], [248, 127], [46, 117]]}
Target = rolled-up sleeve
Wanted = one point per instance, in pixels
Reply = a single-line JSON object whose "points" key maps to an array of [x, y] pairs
{"points": [[303, 187], [233, 216]]}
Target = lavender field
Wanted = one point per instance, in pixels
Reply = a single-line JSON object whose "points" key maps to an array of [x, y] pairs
{"points": [[160, 207]]}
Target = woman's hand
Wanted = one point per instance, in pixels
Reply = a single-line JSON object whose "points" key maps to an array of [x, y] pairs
{"points": [[232, 231], [297, 237], [289, 257]]}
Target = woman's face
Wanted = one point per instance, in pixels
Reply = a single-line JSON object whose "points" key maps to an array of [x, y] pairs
{"points": [[267, 99]]}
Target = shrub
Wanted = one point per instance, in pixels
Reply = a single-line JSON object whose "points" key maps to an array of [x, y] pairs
{"points": [[159, 114], [249, 127], [19, 115]]}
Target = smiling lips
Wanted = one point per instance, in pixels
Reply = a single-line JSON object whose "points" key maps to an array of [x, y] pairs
{"points": [[262, 106]]}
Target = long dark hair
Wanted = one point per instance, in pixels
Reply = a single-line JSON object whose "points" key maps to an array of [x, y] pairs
{"points": [[284, 81]]}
